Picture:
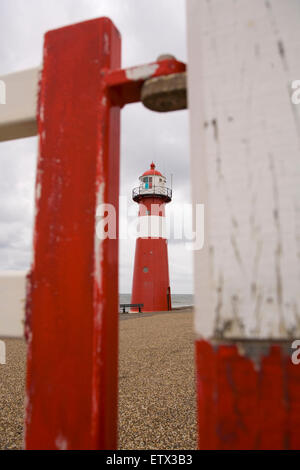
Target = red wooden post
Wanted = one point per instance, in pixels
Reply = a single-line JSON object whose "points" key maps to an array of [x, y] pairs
{"points": [[72, 296], [72, 303]]}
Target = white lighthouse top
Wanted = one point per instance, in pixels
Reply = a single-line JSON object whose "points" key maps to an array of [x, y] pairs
{"points": [[152, 183], [152, 177]]}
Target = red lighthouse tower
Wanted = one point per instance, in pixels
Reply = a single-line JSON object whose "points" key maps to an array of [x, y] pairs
{"points": [[151, 285]]}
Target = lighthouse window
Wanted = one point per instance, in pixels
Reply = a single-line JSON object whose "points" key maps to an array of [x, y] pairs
{"points": [[145, 269]]}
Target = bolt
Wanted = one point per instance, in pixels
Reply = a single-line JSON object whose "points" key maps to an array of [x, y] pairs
{"points": [[165, 57], [165, 93]]}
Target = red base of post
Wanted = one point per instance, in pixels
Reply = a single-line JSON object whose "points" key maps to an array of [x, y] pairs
{"points": [[245, 403]]}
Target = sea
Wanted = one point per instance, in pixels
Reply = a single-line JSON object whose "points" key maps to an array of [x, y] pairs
{"points": [[178, 300]]}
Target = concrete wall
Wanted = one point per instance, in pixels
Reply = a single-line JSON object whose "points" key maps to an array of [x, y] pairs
{"points": [[12, 303]]}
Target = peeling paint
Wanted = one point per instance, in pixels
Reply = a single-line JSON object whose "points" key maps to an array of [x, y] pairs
{"points": [[68, 285], [61, 442], [281, 51], [106, 43], [245, 170], [236, 408], [141, 72], [242, 57]]}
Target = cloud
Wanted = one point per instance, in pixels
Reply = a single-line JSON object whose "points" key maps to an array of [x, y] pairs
{"points": [[148, 29]]}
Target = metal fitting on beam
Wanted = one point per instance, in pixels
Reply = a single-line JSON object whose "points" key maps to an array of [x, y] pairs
{"points": [[165, 93]]}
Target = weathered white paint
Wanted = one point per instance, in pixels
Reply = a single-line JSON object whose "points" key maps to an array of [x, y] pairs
{"points": [[12, 303], [18, 115], [152, 226], [141, 72], [245, 165]]}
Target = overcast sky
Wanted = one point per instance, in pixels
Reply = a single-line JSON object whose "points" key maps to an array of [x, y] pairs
{"points": [[148, 29]]}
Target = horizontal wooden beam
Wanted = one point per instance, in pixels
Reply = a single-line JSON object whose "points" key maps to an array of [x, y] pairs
{"points": [[18, 114]]}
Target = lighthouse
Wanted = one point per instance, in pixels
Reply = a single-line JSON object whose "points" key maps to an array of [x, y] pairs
{"points": [[151, 285]]}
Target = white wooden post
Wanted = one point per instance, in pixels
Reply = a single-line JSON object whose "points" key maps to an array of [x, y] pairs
{"points": [[245, 164]]}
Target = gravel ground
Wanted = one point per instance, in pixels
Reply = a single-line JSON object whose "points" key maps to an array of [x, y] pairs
{"points": [[12, 383], [156, 390]]}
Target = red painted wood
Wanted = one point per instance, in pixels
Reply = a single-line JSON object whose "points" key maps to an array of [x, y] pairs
{"points": [[72, 302], [240, 407], [273, 402], [124, 89], [293, 416]]}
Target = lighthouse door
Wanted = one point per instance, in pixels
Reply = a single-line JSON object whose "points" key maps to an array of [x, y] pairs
{"points": [[169, 298]]}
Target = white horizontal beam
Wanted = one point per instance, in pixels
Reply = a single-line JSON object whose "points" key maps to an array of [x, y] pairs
{"points": [[18, 104]]}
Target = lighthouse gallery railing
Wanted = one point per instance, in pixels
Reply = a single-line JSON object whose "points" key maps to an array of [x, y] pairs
{"points": [[155, 190]]}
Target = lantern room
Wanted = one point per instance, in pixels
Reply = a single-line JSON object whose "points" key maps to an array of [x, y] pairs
{"points": [[152, 183]]}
